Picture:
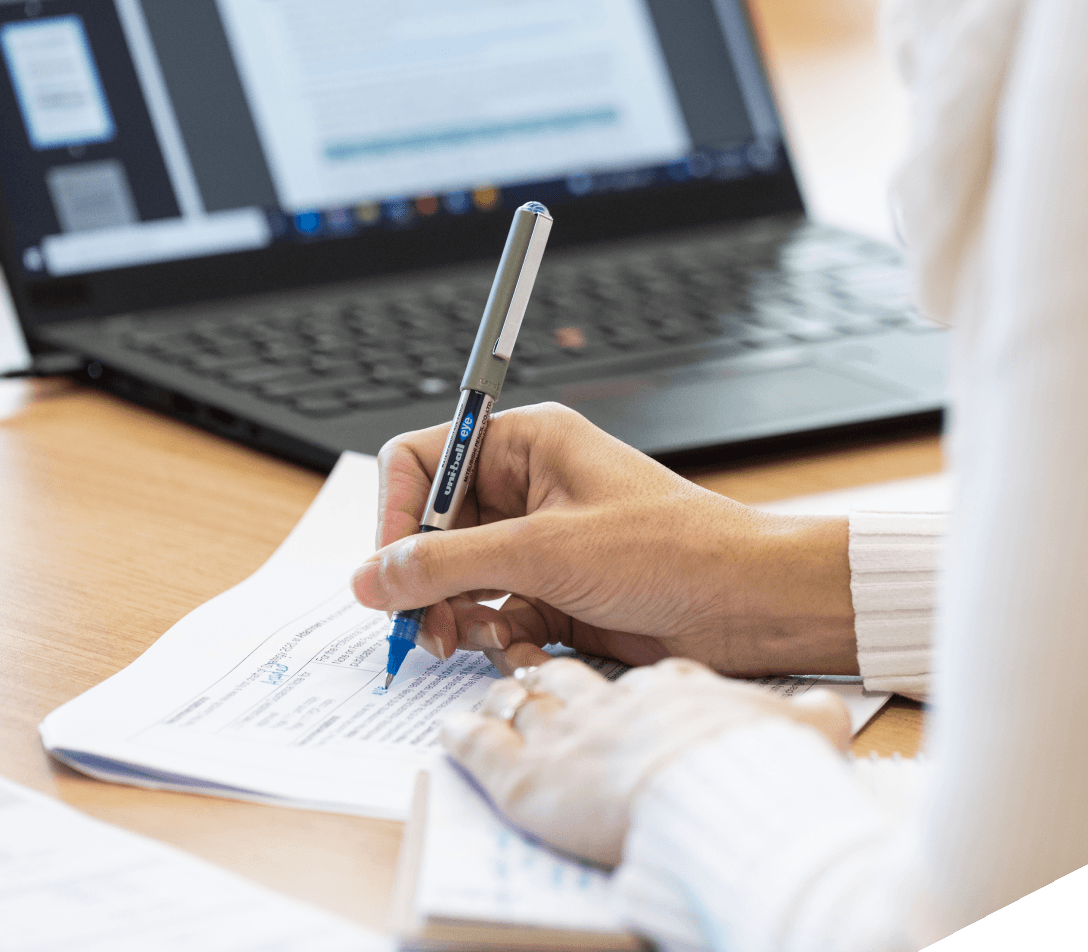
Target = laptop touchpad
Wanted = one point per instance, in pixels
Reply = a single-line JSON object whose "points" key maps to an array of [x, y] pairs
{"points": [[699, 407]]}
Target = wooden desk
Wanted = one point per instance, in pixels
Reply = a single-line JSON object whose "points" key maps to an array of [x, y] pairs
{"points": [[117, 522], [114, 523]]}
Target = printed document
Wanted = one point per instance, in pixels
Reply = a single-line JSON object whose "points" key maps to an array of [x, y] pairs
{"points": [[466, 878], [267, 692], [71, 883]]}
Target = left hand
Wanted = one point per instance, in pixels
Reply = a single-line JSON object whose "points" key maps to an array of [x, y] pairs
{"points": [[564, 753]]}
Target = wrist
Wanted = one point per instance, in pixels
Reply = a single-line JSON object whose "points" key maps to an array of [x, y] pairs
{"points": [[798, 614]]}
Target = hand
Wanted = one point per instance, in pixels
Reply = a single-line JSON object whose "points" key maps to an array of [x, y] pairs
{"points": [[608, 552], [564, 753]]}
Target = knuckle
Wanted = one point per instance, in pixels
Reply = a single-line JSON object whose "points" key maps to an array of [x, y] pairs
{"points": [[562, 667], [681, 667], [391, 449]]}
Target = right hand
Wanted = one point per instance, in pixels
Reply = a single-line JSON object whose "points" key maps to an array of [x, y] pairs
{"points": [[608, 552]]}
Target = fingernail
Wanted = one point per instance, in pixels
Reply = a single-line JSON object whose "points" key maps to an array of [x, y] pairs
{"points": [[432, 644], [484, 634], [368, 584]]}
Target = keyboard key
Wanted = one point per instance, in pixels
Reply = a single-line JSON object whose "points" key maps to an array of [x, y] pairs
{"points": [[765, 337], [312, 383], [320, 406], [435, 386], [213, 363], [259, 373], [626, 310], [374, 397]]}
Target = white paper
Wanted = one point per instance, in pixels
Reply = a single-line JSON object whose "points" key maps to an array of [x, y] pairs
{"points": [[267, 691], [862, 705], [922, 494], [72, 884], [475, 867]]}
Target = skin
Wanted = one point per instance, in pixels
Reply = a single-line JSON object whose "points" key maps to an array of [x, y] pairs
{"points": [[571, 760], [608, 552]]}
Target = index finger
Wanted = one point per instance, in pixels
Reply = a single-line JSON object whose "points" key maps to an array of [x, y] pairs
{"points": [[406, 467]]}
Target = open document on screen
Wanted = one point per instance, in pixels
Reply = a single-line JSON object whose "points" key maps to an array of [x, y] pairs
{"points": [[56, 82], [267, 692], [362, 99]]}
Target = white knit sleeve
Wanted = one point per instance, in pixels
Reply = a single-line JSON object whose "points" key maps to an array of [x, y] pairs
{"points": [[768, 841], [894, 559], [765, 832]]}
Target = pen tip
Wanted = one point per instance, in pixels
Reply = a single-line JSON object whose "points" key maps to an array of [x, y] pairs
{"points": [[388, 680]]}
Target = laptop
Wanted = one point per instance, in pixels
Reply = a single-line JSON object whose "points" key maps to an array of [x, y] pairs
{"points": [[279, 220]]}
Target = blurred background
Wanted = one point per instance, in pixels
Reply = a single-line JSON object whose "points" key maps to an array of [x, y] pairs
{"points": [[844, 106], [841, 101]]}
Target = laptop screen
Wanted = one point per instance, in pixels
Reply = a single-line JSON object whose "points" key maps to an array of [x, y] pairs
{"points": [[138, 132]]}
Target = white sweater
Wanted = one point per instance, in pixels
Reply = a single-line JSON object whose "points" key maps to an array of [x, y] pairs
{"points": [[766, 834]]}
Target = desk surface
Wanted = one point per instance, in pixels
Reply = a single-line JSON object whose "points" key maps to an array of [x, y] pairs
{"points": [[117, 522]]}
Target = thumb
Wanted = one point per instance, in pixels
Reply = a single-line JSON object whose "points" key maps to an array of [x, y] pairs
{"points": [[431, 566]]}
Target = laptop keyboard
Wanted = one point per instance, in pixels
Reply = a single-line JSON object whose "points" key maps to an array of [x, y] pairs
{"points": [[630, 310]]}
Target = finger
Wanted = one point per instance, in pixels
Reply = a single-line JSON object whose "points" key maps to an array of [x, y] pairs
{"points": [[438, 633], [406, 466], [565, 678], [518, 655], [532, 621], [487, 748], [827, 713], [668, 670], [604, 643], [479, 627], [536, 711], [430, 567], [502, 699]]}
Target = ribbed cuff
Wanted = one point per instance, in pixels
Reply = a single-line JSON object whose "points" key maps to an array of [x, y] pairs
{"points": [[772, 844], [894, 558]]}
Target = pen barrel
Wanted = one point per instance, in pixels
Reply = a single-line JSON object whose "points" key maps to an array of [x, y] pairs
{"points": [[454, 475], [508, 299]]}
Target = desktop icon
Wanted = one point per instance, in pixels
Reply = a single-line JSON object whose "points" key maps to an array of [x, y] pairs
{"points": [[308, 223], [339, 220], [399, 212], [368, 213], [485, 198], [457, 203]]}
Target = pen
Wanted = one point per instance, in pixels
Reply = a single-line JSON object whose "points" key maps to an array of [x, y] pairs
{"points": [[480, 388]]}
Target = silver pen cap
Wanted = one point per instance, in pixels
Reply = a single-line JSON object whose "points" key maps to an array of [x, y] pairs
{"points": [[509, 297]]}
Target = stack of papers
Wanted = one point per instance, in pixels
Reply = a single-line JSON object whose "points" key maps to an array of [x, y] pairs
{"points": [[71, 884]]}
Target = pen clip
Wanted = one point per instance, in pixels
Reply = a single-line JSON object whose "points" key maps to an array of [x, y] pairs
{"points": [[530, 264]]}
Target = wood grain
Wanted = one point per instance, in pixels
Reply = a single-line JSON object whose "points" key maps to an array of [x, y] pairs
{"points": [[115, 522]]}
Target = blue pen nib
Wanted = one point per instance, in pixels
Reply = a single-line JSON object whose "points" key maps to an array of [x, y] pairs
{"points": [[402, 639]]}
